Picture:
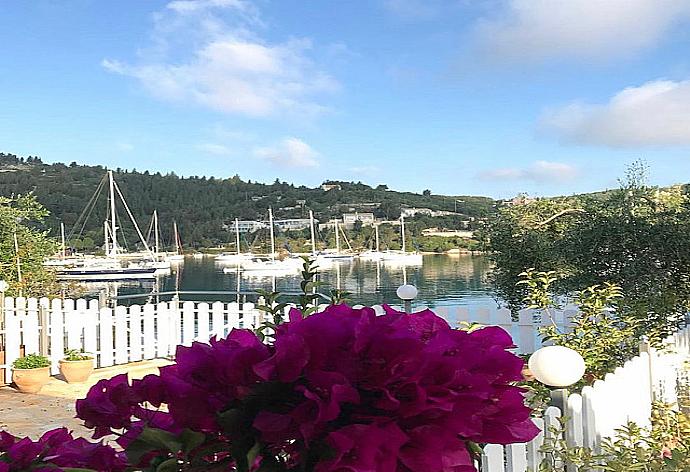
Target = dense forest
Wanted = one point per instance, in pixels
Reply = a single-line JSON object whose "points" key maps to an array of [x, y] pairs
{"points": [[203, 206]]}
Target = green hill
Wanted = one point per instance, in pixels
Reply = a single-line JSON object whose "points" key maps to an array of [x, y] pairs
{"points": [[203, 205]]}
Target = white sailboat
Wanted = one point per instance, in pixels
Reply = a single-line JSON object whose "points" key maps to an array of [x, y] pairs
{"points": [[260, 267], [402, 257], [238, 256], [376, 254], [111, 267], [177, 256], [329, 255]]}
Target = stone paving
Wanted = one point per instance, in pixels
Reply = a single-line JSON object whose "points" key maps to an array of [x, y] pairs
{"points": [[25, 414]]}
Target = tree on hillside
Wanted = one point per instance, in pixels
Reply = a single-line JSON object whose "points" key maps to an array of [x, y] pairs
{"points": [[636, 237], [24, 246]]}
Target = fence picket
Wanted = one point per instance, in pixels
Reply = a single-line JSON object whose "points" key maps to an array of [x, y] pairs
{"points": [[516, 457], [188, 327], [12, 343], [135, 330], [218, 319], [73, 324], [30, 327], [57, 333], [121, 338], [234, 316], [149, 332], [534, 454], [203, 323], [105, 331], [91, 329], [492, 458]]}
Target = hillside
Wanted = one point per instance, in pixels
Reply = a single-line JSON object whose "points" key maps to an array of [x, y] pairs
{"points": [[203, 205]]}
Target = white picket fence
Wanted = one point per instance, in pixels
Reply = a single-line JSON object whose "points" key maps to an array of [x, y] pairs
{"points": [[139, 332], [624, 395], [114, 336]]}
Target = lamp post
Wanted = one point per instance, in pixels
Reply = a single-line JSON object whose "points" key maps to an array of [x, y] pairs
{"points": [[407, 293], [560, 367]]}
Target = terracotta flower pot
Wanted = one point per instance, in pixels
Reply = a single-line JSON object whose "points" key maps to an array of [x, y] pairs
{"points": [[31, 380], [76, 371]]}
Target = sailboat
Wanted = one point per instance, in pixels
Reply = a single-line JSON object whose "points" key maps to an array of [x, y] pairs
{"points": [[177, 256], [330, 255], [402, 257], [261, 267], [236, 257], [373, 255], [111, 267]]}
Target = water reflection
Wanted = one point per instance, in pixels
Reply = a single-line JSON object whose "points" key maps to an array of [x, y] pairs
{"points": [[442, 281]]}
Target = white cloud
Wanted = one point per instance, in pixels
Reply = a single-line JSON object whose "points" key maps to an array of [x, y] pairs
{"points": [[585, 29], [215, 148], [656, 113], [539, 171], [290, 152], [224, 67]]}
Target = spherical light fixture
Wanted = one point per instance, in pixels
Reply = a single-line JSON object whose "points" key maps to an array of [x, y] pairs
{"points": [[4, 286], [557, 366], [407, 292]]}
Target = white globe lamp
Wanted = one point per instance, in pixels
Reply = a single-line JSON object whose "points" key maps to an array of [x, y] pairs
{"points": [[407, 293], [557, 366], [560, 367]]}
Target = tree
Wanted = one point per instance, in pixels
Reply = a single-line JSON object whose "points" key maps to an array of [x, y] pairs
{"points": [[635, 237], [24, 243]]}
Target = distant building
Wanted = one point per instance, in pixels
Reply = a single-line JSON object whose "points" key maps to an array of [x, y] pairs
{"points": [[447, 233], [328, 187], [256, 198], [350, 219], [410, 212], [247, 226], [292, 224]]}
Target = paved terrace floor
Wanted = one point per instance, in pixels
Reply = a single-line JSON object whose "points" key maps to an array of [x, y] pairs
{"points": [[25, 414]]}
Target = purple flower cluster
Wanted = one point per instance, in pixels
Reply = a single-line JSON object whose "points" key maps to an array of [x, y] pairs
{"points": [[56, 449], [339, 390]]}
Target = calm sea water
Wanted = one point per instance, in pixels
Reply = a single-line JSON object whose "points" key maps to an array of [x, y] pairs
{"points": [[441, 281]]}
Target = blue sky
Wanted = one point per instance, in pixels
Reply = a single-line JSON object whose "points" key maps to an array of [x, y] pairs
{"points": [[489, 97]]}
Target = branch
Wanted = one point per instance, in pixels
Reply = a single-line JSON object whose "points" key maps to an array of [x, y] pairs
{"points": [[561, 213]]}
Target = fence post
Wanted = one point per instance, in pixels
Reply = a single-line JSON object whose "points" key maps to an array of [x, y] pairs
{"points": [[44, 327]]}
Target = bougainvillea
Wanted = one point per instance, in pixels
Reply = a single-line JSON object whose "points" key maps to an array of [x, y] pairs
{"points": [[339, 390]]}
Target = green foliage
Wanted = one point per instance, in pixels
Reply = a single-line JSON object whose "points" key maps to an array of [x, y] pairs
{"points": [[23, 216], [604, 337], [665, 447], [76, 355], [635, 237], [203, 205], [31, 361], [308, 300]]}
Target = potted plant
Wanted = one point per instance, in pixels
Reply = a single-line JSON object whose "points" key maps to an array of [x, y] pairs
{"points": [[31, 372], [76, 366]]}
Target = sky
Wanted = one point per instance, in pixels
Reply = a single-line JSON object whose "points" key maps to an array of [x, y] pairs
{"points": [[464, 97]]}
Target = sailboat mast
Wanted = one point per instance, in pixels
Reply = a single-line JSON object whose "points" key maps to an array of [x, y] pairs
{"points": [[106, 244], [273, 237], [177, 238], [113, 230], [313, 238], [155, 231], [337, 237], [402, 229], [62, 236], [237, 235], [376, 229]]}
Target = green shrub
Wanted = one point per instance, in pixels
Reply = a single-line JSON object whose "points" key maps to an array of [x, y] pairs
{"points": [[76, 355], [31, 361]]}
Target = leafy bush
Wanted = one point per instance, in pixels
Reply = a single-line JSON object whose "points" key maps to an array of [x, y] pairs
{"points": [[76, 355], [31, 361], [604, 337]]}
